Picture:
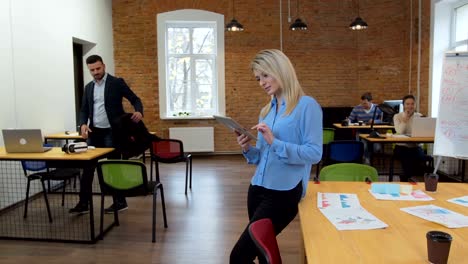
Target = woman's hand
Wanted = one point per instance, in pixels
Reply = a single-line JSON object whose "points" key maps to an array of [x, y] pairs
{"points": [[407, 116], [266, 132], [243, 141]]}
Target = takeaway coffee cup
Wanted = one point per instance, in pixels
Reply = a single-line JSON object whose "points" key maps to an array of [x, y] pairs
{"points": [[438, 246], [430, 181], [360, 123]]}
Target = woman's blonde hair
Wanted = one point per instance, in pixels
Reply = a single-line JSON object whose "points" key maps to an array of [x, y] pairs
{"points": [[276, 64]]}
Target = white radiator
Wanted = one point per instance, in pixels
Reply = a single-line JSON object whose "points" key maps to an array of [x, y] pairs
{"points": [[195, 139]]}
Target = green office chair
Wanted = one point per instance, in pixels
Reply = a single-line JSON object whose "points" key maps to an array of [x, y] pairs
{"points": [[128, 178], [348, 172], [328, 136]]}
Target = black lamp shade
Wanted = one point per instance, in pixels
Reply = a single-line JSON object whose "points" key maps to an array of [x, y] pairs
{"points": [[358, 24], [234, 26], [298, 25]]}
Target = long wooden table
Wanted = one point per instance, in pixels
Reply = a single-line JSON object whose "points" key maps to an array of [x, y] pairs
{"points": [[63, 136], [34, 227], [391, 140], [404, 241]]}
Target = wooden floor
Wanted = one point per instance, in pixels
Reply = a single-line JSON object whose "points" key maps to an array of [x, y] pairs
{"points": [[203, 226]]}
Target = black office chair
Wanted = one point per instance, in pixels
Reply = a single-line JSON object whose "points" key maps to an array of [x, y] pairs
{"points": [[43, 173]]}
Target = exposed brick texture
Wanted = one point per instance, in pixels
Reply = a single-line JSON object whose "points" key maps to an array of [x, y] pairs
{"points": [[334, 64]]}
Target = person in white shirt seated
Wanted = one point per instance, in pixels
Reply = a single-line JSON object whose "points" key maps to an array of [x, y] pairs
{"points": [[410, 154]]}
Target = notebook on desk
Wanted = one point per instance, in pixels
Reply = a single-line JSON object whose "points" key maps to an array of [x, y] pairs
{"points": [[423, 127], [23, 141]]}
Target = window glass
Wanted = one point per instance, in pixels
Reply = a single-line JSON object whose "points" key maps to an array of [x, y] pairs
{"points": [[461, 23], [178, 40], [191, 64]]}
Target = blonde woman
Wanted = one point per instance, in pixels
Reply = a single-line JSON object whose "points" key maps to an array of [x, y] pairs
{"points": [[289, 142]]}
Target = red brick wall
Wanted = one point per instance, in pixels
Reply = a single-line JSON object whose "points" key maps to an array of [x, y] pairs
{"points": [[334, 64]]}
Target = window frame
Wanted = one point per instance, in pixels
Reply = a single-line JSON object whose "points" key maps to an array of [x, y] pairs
{"points": [[442, 40], [454, 44], [192, 17]]}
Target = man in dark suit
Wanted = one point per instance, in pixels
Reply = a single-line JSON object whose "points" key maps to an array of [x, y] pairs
{"points": [[100, 111]]}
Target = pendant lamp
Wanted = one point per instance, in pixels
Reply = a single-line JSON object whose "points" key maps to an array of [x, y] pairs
{"points": [[234, 25], [298, 24], [358, 23]]}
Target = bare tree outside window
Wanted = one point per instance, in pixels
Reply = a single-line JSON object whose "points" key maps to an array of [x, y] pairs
{"points": [[191, 61]]}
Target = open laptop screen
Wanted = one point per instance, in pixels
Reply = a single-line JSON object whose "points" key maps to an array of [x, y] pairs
{"points": [[423, 127], [23, 141]]}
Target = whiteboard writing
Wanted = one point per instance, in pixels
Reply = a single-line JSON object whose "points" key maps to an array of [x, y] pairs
{"points": [[451, 137]]}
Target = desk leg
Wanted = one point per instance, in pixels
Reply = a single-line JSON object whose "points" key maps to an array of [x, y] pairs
{"points": [[391, 168], [91, 219], [370, 150]]}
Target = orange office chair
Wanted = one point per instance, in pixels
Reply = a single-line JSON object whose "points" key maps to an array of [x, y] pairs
{"points": [[170, 151], [264, 237]]}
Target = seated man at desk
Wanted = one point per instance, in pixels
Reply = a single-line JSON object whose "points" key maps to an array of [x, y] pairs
{"points": [[365, 111], [410, 154]]}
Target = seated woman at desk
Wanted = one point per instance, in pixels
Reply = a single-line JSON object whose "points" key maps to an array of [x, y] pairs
{"points": [[365, 111], [410, 154]]}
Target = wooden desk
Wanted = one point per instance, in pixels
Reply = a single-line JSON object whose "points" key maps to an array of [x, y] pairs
{"points": [[404, 241], [393, 139], [63, 136], [397, 139], [65, 227], [376, 126]]}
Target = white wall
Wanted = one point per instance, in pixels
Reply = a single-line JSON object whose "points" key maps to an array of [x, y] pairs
{"points": [[36, 69]]}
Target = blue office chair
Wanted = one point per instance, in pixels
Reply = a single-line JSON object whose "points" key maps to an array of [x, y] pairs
{"points": [[40, 171], [344, 151]]}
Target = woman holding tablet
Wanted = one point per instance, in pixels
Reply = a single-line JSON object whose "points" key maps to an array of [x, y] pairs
{"points": [[289, 142]]}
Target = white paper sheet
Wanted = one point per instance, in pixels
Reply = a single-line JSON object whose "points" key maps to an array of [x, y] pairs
{"points": [[416, 195], [438, 215], [345, 212], [352, 219], [463, 201], [337, 200]]}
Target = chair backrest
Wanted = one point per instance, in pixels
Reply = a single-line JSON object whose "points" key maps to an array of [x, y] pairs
{"points": [[263, 234], [33, 165], [328, 135], [340, 151], [123, 177], [168, 150], [348, 172]]}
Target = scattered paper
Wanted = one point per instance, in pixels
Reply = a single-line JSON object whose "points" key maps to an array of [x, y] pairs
{"points": [[344, 211], [463, 201], [438, 215], [337, 200], [352, 219], [415, 195]]}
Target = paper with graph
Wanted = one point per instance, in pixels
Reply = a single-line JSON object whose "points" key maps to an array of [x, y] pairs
{"points": [[438, 215], [463, 201], [344, 211], [415, 195]]}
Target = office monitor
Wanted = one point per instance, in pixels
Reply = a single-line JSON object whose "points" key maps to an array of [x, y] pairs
{"points": [[394, 107]]}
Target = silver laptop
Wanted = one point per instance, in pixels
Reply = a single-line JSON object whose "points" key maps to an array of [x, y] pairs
{"points": [[423, 127], [23, 141]]}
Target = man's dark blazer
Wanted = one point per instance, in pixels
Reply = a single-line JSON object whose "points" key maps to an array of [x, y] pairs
{"points": [[115, 90]]}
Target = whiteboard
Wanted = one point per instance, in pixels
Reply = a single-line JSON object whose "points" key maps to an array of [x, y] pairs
{"points": [[451, 137]]}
